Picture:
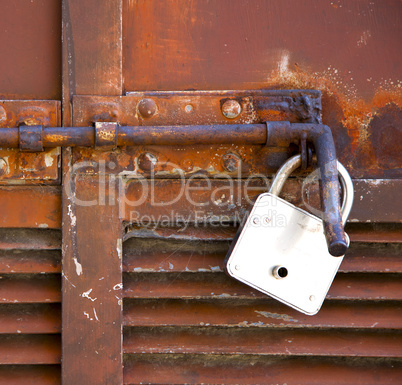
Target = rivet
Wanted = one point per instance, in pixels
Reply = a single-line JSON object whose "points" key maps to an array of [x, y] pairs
{"points": [[188, 108], [147, 161], [3, 166], [147, 108], [231, 162], [3, 114], [231, 109]]}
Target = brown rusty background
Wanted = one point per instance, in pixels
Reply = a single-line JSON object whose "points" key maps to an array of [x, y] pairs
{"points": [[350, 50], [30, 46]]}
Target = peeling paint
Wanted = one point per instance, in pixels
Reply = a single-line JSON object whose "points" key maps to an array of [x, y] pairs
{"points": [[284, 317], [85, 294], [78, 266]]}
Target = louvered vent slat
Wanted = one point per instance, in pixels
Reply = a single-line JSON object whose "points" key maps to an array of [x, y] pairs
{"points": [[30, 308], [187, 322]]}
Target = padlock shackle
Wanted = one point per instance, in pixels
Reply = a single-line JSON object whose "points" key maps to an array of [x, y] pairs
{"points": [[295, 162], [284, 133]]}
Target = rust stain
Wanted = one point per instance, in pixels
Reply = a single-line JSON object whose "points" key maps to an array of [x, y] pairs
{"points": [[349, 115]]}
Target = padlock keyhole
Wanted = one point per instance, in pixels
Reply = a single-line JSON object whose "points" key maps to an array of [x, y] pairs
{"points": [[280, 272]]}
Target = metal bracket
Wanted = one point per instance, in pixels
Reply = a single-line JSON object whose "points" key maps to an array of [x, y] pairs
{"points": [[30, 164]]}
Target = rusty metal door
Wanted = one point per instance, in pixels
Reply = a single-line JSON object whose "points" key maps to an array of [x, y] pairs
{"points": [[135, 261]]}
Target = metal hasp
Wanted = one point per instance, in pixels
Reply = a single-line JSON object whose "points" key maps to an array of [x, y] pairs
{"points": [[285, 133], [107, 135]]}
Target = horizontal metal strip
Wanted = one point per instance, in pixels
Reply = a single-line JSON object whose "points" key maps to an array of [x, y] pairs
{"points": [[30, 207], [175, 202], [30, 318], [202, 285], [176, 256], [358, 232], [32, 288], [30, 239], [214, 369], [169, 107], [30, 261], [40, 207], [30, 349], [349, 343], [35, 374], [260, 313]]}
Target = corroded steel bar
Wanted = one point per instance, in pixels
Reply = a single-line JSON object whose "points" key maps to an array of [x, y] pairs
{"points": [[284, 133], [141, 135]]}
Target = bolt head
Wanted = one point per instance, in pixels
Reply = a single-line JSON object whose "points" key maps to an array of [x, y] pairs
{"points": [[231, 109], [147, 108], [188, 108], [147, 161], [231, 162]]}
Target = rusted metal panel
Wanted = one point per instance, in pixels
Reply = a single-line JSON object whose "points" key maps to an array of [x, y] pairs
{"points": [[260, 313], [43, 205], [212, 369], [37, 374], [206, 285], [340, 51], [30, 261], [30, 239], [30, 311], [346, 343], [28, 168], [198, 107], [30, 288], [92, 50], [221, 199], [29, 349], [146, 255], [92, 283], [30, 44], [30, 318]]}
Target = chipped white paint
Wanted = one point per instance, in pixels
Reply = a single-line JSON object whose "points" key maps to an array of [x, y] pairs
{"points": [[86, 294], [96, 316], [43, 225], [72, 216], [65, 277], [78, 266], [118, 286], [48, 160], [119, 248]]}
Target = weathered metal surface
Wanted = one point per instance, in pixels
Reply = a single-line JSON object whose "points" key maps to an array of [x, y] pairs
{"points": [[30, 288], [30, 46], [199, 107], [180, 202], [259, 313], [30, 261], [29, 349], [348, 50], [154, 255], [248, 341], [37, 374], [207, 286], [30, 311], [92, 50], [30, 207], [28, 168], [181, 369], [30, 318], [92, 282]]}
